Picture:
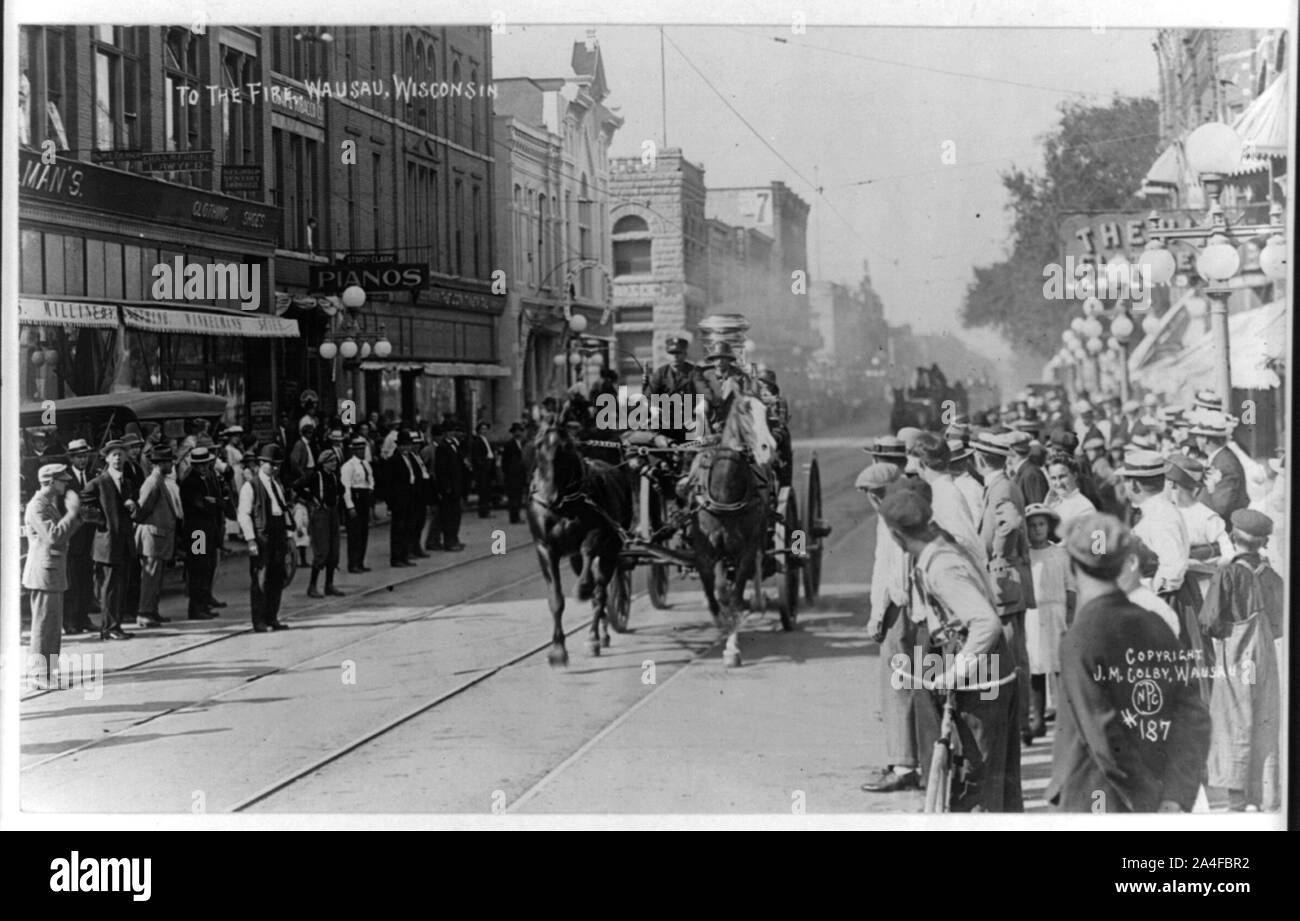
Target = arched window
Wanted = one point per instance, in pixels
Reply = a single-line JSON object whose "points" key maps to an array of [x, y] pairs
{"points": [[632, 246], [473, 109], [422, 114], [408, 66], [432, 75]]}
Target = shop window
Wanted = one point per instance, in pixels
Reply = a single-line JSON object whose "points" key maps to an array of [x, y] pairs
{"points": [[42, 86], [32, 273], [185, 98]]}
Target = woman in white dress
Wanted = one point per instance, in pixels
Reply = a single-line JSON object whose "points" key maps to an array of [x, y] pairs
{"points": [[1046, 623], [1063, 481]]}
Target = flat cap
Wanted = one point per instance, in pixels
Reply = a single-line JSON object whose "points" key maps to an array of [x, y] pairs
{"points": [[1099, 543], [877, 476], [904, 508], [116, 444], [1064, 439], [1249, 521], [51, 472]]}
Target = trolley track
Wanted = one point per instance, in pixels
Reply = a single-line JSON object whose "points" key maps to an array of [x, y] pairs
{"points": [[326, 604]]}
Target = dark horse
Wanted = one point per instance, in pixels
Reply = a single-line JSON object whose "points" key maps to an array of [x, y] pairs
{"points": [[575, 509], [729, 487]]}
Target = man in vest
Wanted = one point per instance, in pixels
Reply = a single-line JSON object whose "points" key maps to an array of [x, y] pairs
{"points": [[265, 524]]}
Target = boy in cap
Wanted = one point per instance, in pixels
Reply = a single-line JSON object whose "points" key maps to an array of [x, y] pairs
{"points": [[1242, 615], [910, 721], [960, 619], [45, 577], [1128, 738]]}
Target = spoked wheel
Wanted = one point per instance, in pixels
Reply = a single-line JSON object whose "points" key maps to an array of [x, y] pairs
{"points": [[657, 580], [815, 535], [788, 565], [618, 607], [290, 565]]}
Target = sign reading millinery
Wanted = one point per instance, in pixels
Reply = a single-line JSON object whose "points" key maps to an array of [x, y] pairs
{"points": [[372, 276], [241, 178], [170, 161]]}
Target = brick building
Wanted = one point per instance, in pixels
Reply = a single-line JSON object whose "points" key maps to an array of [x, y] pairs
{"points": [[552, 201]]}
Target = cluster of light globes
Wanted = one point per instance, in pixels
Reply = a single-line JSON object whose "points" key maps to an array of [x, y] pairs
{"points": [[353, 298]]}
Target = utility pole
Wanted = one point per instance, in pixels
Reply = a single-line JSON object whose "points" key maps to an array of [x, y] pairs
{"points": [[817, 221], [663, 90]]}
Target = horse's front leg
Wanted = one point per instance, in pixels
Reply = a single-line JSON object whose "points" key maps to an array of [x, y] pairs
{"points": [[729, 584], [594, 565], [550, 563]]}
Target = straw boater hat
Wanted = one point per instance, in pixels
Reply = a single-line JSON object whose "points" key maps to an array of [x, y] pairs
{"points": [[958, 450], [908, 435], [877, 476], [232, 430], [1018, 442], [1212, 423], [161, 454], [990, 443], [1096, 441], [1141, 464], [201, 455], [77, 447], [887, 446], [1039, 508]]}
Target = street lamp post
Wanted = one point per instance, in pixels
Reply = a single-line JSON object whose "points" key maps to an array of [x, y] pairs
{"points": [[1213, 152], [353, 346]]}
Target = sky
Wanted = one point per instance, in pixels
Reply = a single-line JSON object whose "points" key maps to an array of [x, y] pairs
{"points": [[906, 130]]}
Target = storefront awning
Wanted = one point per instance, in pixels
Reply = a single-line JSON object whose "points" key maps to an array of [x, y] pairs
{"points": [[209, 323], [1263, 124], [1256, 339], [439, 368], [42, 311]]}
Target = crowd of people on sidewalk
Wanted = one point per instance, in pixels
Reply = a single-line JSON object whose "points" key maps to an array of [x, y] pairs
{"points": [[1113, 567], [104, 525]]}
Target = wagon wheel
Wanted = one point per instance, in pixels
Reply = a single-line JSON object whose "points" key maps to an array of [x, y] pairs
{"points": [[788, 565], [618, 604], [657, 582], [290, 565], [814, 535]]}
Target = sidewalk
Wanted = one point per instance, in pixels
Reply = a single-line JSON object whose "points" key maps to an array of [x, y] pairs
{"points": [[232, 579]]}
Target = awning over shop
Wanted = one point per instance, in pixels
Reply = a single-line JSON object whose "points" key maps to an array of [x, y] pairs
{"points": [[209, 323], [48, 312], [1256, 338], [439, 368], [1263, 124]]}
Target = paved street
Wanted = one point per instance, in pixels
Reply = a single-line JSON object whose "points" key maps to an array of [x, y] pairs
{"points": [[427, 690]]}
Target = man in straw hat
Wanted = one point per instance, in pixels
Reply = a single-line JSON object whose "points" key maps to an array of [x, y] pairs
{"points": [[48, 528], [78, 601], [1225, 479], [114, 551], [157, 519], [203, 501], [910, 722], [1127, 739], [1006, 543], [960, 619]]}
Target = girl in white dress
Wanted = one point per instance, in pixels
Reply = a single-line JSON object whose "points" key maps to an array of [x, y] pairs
{"points": [[1046, 624]]}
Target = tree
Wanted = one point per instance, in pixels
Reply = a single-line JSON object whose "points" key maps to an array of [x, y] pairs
{"points": [[1095, 160]]}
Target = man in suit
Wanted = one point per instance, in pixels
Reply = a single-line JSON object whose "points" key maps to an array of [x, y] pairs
{"points": [[79, 598], [1006, 543], [401, 481], [1106, 758], [264, 522], [45, 573], [1225, 490], [422, 498], [358, 480], [432, 539], [157, 519], [1029, 476], [203, 501], [512, 467], [482, 459], [114, 549], [447, 475]]}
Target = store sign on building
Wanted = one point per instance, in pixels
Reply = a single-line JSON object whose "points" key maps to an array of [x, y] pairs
{"points": [[171, 161], [372, 276], [1092, 238], [85, 186], [241, 178], [289, 100]]}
